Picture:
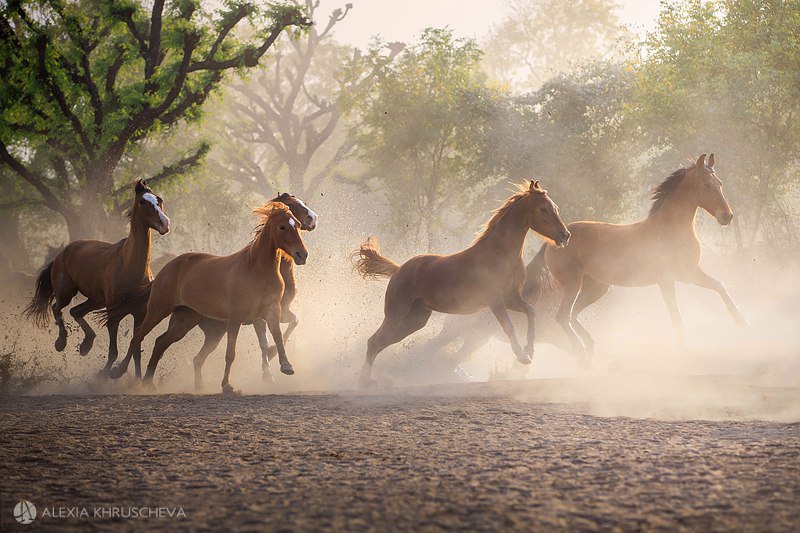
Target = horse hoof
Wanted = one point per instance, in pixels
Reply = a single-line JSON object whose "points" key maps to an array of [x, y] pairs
{"points": [[85, 346], [367, 384], [116, 372], [287, 369], [61, 343], [529, 350], [524, 359], [742, 322], [267, 377], [103, 374], [228, 390]]}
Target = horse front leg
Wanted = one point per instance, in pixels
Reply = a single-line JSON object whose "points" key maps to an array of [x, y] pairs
{"points": [[501, 314], [701, 279], [668, 293], [516, 302], [274, 325], [78, 313], [260, 327]]}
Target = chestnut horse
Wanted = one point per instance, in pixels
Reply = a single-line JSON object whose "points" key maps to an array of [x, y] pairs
{"points": [[490, 273], [105, 273], [659, 250], [214, 330], [243, 287]]}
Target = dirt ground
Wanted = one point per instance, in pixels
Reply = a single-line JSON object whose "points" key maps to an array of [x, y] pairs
{"points": [[477, 457]]}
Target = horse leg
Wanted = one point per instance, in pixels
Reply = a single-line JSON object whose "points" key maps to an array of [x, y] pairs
{"points": [[155, 314], [564, 317], [78, 312], [473, 340], [113, 327], [274, 324], [701, 279], [591, 291], [286, 317], [516, 302], [668, 293], [65, 291], [180, 323], [501, 314], [230, 354], [213, 330], [260, 327], [393, 329]]}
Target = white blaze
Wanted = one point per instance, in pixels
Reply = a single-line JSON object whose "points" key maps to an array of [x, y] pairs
{"points": [[150, 197]]}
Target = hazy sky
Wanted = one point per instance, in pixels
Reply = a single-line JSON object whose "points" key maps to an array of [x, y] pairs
{"points": [[403, 20]]}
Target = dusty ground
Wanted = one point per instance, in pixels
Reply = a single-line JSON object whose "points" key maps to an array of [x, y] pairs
{"points": [[466, 457]]}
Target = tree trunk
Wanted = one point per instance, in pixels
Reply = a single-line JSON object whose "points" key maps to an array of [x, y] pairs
{"points": [[13, 256]]}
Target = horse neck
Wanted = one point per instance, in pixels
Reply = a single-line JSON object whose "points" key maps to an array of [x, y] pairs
{"points": [[136, 250], [675, 214], [509, 233], [263, 253]]}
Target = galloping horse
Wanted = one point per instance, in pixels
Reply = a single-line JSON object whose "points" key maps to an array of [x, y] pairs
{"points": [[659, 250], [243, 287], [105, 273], [214, 330], [490, 273]]}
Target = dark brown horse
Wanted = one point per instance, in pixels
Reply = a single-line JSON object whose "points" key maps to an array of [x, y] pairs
{"points": [[659, 250], [214, 330], [107, 274], [243, 287], [490, 273]]}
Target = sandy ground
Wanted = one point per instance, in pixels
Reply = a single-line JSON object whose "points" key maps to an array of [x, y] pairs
{"points": [[477, 456]]}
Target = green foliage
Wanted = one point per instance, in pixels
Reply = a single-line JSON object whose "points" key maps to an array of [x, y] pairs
{"points": [[85, 81], [723, 77], [420, 130]]}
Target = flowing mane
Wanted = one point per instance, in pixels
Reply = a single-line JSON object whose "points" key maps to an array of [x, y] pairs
{"points": [[663, 190], [266, 212], [524, 190]]}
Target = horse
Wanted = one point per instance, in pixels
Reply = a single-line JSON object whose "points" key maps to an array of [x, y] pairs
{"points": [[490, 273], [105, 273], [214, 330], [659, 250], [243, 287]]}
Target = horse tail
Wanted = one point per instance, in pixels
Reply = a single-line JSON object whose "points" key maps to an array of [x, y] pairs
{"points": [[538, 278], [369, 262], [39, 306], [126, 306]]}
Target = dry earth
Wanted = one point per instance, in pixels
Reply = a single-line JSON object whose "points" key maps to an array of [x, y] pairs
{"points": [[474, 457]]}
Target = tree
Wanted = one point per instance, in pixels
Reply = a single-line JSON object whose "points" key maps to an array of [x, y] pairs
{"points": [[85, 81], [541, 38], [419, 131], [723, 77]]}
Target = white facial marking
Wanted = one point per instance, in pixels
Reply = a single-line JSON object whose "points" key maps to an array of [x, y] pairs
{"points": [[150, 197], [291, 221], [311, 213]]}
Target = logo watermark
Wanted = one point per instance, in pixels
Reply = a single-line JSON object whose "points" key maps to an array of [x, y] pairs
{"points": [[25, 512]]}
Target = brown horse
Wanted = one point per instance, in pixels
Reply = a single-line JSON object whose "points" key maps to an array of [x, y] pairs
{"points": [[214, 330], [243, 287], [105, 273], [490, 273], [659, 250]]}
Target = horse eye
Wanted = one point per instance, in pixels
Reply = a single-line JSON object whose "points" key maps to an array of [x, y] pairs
{"points": [[281, 227], [543, 210], [142, 201]]}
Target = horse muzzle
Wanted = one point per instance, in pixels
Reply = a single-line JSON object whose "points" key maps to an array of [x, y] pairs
{"points": [[300, 257], [563, 238], [724, 217]]}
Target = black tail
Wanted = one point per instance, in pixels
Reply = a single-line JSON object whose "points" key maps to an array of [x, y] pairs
{"points": [[538, 277], [129, 305], [38, 309]]}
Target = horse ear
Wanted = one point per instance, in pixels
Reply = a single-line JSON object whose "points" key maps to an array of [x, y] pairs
{"points": [[532, 185], [140, 187], [701, 161], [711, 161]]}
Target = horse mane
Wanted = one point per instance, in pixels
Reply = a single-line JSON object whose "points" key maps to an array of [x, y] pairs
{"points": [[663, 190], [523, 190], [266, 212]]}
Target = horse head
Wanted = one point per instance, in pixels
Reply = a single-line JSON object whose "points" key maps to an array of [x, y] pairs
{"points": [[706, 188], [544, 217], [149, 208], [307, 217]]}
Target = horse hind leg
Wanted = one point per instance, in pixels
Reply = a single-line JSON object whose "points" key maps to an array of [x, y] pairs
{"points": [[564, 317], [213, 330], [65, 291], [393, 329], [78, 313], [591, 291], [181, 322]]}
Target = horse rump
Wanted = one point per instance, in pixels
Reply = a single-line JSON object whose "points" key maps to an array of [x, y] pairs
{"points": [[370, 263]]}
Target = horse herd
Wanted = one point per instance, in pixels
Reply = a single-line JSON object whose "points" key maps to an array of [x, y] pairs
{"points": [[256, 285]]}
